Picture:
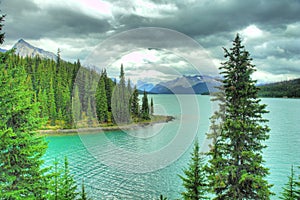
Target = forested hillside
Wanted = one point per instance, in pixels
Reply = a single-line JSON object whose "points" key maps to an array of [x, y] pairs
{"points": [[290, 89], [66, 94], [52, 83]]}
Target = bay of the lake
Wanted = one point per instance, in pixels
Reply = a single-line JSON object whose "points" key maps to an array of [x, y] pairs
{"points": [[144, 163]]}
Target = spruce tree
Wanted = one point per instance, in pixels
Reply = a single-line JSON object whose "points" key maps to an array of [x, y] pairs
{"points": [[135, 103], [83, 194], [68, 185], [55, 182], [120, 101], [297, 190], [109, 86], [151, 107], [145, 107], [62, 184], [21, 149], [162, 197], [290, 189], [236, 164], [194, 180], [52, 104], [101, 101], [1, 25], [76, 105], [89, 112], [42, 99], [218, 117], [129, 88]]}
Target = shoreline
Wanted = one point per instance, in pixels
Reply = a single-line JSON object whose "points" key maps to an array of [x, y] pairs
{"points": [[62, 132]]}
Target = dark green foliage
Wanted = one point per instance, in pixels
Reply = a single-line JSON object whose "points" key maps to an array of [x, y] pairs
{"points": [[120, 101], [236, 168], [76, 105], [194, 180], [298, 187], [43, 101], [51, 104], [83, 194], [218, 118], [54, 184], [290, 190], [281, 89], [62, 184], [129, 88], [134, 103], [101, 101], [52, 86], [68, 185], [145, 107], [21, 175], [151, 107], [1, 26], [109, 86], [161, 197]]}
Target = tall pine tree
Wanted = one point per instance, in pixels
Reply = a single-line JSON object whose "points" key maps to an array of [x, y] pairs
{"points": [[1, 25], [151, 107], [134, 103], [120, 101], [145, 107], [68, 186], [21, 149], [290, 189], [236, 164], [194, 180], [101, 101]]}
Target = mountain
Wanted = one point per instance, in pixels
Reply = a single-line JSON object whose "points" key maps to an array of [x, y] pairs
{"points": [[196, 84], [24, 49], [141, 85], [2, 50], [289, 89]]}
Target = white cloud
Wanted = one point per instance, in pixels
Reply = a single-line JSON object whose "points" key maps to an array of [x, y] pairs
{"points": [[251, 32], [152, 66], [146, 8], [96, 8]]}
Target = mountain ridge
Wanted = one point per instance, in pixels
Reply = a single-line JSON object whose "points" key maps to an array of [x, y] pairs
{"points": [[289, 89], [23, 49], [187, 84]]}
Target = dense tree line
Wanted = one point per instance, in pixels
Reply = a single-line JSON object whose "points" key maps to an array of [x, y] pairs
{"points": [[22, 174], [51, 82], [61, 101], [289, 89], [119, 102]]}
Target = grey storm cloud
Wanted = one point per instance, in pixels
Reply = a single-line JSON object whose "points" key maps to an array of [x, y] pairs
{"points": [[203, 18], [212, 23], [26, 19]]}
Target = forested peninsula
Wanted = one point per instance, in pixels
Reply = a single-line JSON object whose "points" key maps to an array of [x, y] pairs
{"points": [[68, 98]]}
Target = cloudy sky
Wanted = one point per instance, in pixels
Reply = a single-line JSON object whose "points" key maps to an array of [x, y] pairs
{"points": [[270, 31]]}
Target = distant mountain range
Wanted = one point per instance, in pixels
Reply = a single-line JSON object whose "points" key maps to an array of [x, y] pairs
{"points": [[196, 84], [141, 85]]}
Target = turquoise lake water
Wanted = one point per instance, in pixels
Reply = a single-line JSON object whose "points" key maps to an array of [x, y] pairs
{"points": [[144, 163]]}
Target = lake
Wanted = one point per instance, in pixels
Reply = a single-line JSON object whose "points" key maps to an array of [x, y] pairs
{"points": [[144, 163]]}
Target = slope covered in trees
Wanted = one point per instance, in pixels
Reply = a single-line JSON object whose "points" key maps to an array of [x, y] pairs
{"points": [[290, 89], [60, 104]]}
